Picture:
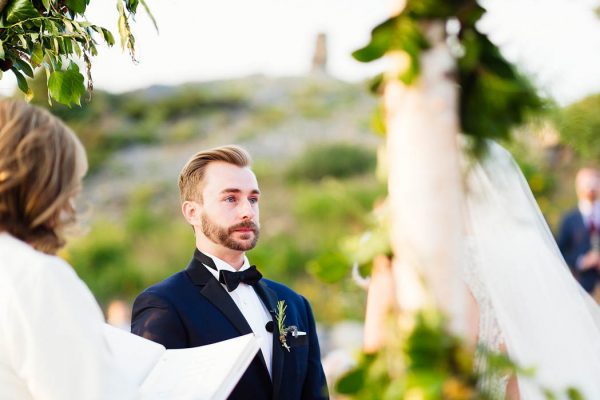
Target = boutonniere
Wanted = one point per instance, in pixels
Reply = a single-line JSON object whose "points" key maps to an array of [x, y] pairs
{"points": [[282, 329]]}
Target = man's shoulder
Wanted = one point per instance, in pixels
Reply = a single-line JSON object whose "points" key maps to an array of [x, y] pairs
{"points": [[572, 215], [169, 286]]}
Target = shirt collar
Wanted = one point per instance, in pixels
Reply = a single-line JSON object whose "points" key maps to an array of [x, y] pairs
{"points": [[589, 210], [222, 265]]}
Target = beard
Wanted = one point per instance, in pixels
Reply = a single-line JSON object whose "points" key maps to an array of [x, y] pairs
{"points": [[224, 236]]}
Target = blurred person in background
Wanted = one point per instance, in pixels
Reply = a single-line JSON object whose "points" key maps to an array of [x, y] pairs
{"points": [[579, 233], [52, 343]]}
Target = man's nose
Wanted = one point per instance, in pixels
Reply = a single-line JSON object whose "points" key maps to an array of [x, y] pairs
{"points": [[247, 210]]}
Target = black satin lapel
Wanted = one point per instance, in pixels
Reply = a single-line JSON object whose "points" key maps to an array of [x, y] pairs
{"points": [[204, 259], [580, 221], [269, 298], [215, 293], [582, 227], [197, 272], [277, 364]]}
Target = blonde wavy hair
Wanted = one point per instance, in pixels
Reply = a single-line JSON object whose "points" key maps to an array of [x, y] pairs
{"points": [[192, 175], [41, 166]]}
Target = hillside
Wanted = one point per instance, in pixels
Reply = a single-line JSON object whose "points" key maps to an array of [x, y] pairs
{"points": [[275, 119], [314, 154]]}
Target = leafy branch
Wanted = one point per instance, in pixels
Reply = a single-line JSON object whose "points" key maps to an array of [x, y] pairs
{"points": [[53, 35], [431, 363], [494, 96]]}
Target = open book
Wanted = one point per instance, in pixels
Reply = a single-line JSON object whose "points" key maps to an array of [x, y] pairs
{"points": [[206, 372]]}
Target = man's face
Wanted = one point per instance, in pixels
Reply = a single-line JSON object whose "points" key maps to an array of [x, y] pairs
{"points": [[229, 211], [588, 185]]}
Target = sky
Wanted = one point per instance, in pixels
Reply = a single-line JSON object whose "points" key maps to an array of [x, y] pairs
{"points": [[207, 40], [557, 42]]}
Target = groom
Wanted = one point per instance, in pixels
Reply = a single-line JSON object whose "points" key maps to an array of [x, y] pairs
{"points": [[219, 295]]}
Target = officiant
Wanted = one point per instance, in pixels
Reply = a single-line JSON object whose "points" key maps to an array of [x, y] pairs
{"points": [[220, 295], [579, 234], [52, 343]]}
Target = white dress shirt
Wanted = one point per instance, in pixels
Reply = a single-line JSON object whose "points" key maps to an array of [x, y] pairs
{"points": [[52, 344], [251, 307], [590, 212]]}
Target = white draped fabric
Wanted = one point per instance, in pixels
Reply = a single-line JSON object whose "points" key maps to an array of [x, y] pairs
{"points": [[52, 344], [527, 297]]}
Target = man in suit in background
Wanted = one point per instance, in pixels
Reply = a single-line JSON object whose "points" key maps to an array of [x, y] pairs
{"points": [[220, 296], [579, 233]]}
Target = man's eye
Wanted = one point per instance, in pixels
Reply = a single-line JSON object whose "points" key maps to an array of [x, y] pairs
{"points": [[253, 200], [230, 199]]}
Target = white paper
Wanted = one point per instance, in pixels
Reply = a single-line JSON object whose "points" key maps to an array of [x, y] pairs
{"points": [[206, 372]]}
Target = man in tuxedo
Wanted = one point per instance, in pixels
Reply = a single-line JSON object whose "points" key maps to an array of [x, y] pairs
{"points": [[219, 296], [579, 233]]}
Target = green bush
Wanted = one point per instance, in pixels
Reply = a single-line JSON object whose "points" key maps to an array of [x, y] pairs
{"points": [[579, 127], [337, 205], [279, 257], [120, 257], [338, 160]]}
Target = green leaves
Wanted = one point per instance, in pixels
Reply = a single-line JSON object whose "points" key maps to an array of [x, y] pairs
{"points": [[574, 394], [108, 36], [47, 33], [397, 33], [37, 55], [494, 97], [22, 83], [330, 267], [77, 6], [427, 362], [353, 381], [23, 66], [147, 9], [381, 39], [131, 5], [127, 38], [424, 362], [67, 86], [579, 124], [19, 10]]}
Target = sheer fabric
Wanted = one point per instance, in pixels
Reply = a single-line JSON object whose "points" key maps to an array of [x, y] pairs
{"points": [[526, 295]]}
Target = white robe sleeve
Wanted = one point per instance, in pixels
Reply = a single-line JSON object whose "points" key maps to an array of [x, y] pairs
{"points": [[55, 338]]}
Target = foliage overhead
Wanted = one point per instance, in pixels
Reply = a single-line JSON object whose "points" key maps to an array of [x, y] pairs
{"points": [[53, 35], [494, 96]]}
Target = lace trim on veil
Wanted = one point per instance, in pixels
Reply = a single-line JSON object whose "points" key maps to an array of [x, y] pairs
{"points": [[490, 335]]}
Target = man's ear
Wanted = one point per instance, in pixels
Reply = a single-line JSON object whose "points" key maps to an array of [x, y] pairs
{"points": [[191, 212]]}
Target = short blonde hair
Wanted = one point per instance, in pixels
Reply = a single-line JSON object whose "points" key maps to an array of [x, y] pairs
{"points": [[192, 175], [39, 159]]}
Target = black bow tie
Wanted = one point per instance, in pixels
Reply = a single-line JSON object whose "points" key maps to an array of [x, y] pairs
{"points": [[231, 280]]}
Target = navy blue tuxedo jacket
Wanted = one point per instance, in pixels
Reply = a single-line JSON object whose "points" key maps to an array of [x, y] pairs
{"points": [[191, 308], [574, 241]]}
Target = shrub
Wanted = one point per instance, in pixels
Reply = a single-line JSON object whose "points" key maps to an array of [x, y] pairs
{"points": [[339, 160]]}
